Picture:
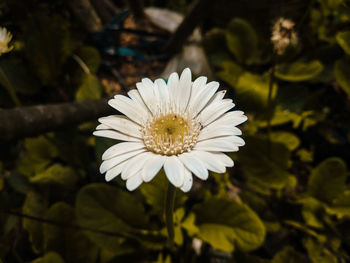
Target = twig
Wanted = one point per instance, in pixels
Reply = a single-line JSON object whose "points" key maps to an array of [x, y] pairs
{"points": [[82, 64], [34, 120], [199, 11], [120, 79]]}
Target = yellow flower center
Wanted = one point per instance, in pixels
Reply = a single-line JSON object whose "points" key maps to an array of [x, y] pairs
{"points": [[171, 134]]}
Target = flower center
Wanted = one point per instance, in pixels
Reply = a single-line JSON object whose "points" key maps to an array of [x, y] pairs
{"points": [[171, 134]]}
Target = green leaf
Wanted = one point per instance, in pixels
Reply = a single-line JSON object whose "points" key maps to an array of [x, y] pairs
{"points": [[56, 174], [50, 257], [305, 155], [90, 88], [297, 225], [34, 205], [212, 44], [265, 163], [226, 225], [343, 39], [109, 209], [342, 73], [231, 72], [163, 259], [340, 206], [19, 182], [317, 252], [155, 192], [299, 71], [241, 40], [312, 212], [327, 180], [305, 119], [252, 91], [69, 242], [182, 222], [39, 153], [261, 207], [289, 255], [290, 140], [189, 225]]}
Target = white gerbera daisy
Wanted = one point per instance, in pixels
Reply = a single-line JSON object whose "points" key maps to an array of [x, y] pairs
{"points": [[5, 38], [181, 125]]}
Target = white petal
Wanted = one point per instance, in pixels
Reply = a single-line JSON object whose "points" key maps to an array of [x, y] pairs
{"points": [[173, 82], [122, 124], [219, 131], [128, 107], [163, 90], [115, 135], [174, 170], [152, 167], [122, 148], [217, 96], [195, 165], [227, 161], [184, 89], [114, 172], [215, 110], [230, 118], [102, 127], [133, 182], [134, 94], [135, 164], [150, 86], [147, 93], [238, 117], [197, 86], [203, 97], [211, 161], [221, 144], [188, 181], [106, 165]]}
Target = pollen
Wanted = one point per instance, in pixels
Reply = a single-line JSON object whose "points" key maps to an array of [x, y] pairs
{"points": [[171, 134]]}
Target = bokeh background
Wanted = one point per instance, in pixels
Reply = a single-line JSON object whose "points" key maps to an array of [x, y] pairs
{"points": [[287, 199]]}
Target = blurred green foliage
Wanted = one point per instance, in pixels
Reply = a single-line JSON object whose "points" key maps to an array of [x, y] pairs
{"points": [[286, 200]]}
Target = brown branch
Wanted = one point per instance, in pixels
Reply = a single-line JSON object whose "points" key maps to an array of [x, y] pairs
{"points": [[86, 15], [34, 120], [105, 9], [198, 12], [136, 8]]}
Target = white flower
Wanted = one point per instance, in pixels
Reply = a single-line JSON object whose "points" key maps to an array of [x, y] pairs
{"points": [[5, 38], [197, 245], [283, 35], [181, 125]]}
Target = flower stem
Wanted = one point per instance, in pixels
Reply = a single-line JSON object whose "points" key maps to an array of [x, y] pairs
{"points": [[169, 212], [269, 102], [7, 84]]}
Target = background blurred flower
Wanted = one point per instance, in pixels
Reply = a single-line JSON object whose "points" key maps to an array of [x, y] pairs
{"points": [[181, 125], [283, 35], [5, 38]]}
